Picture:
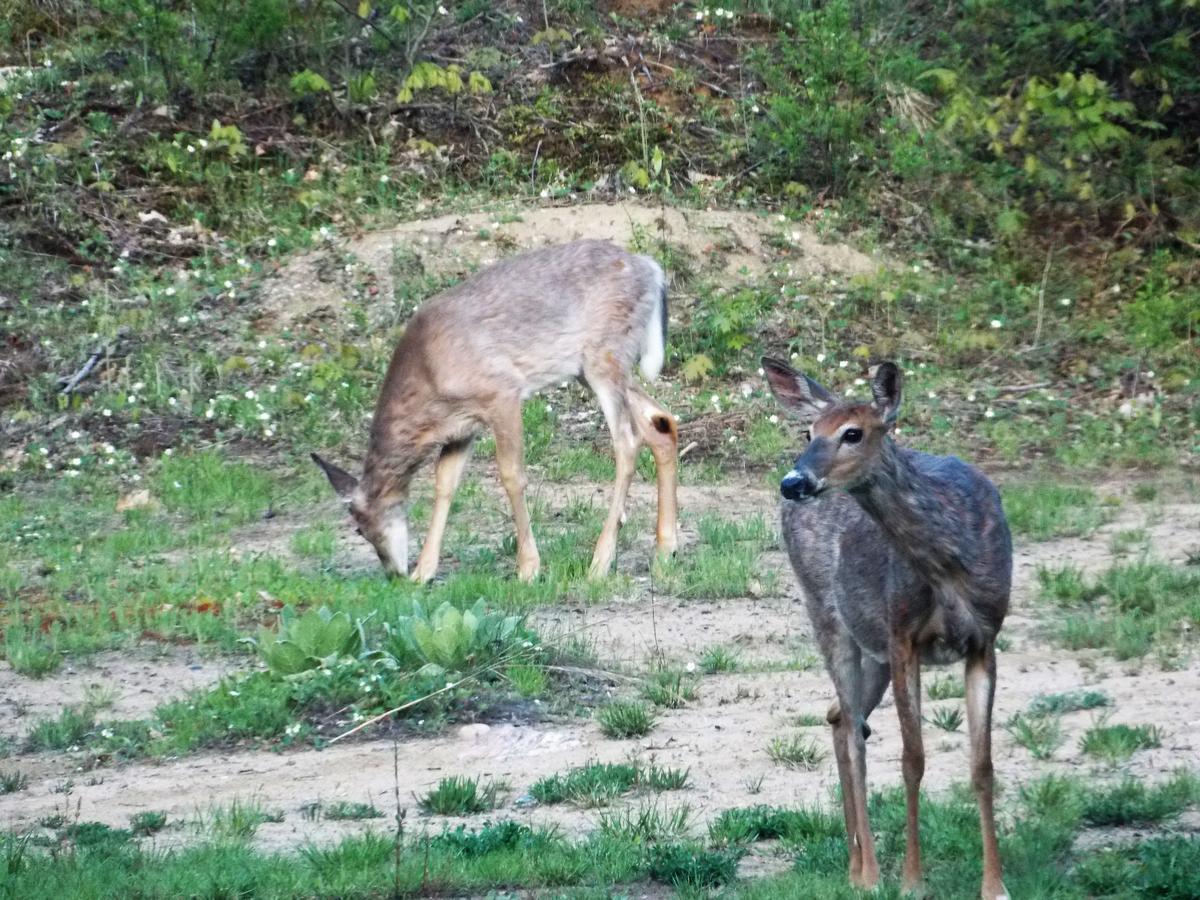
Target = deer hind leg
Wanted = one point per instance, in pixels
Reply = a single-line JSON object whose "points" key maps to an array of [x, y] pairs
{"points": [[906, 689], [606, 383], [447, 472], [981, 690], [659, 430], [505, 421]]}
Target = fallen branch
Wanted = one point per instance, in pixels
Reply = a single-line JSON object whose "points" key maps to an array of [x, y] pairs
{"points": [[1023, 388], [84, 372]]}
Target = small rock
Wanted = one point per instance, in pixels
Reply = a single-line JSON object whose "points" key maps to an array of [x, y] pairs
{"points": [[139, 499]]}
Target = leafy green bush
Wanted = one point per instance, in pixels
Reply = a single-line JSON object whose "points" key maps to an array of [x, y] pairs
{"points": [[316, 639], [453, 640]]}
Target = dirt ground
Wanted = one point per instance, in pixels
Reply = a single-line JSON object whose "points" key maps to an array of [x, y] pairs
{"points": [[734, 244], [720, 738]]}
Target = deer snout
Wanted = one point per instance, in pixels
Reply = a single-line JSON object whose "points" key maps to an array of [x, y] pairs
{"points": [[799, 485]]}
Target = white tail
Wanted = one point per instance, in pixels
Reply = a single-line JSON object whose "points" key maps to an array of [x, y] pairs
{"points": [[471, 355], [654, 344]]}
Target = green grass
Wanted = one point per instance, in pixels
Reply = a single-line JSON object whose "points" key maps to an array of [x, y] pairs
{"points": [[1133, 802], [34, 659], [1116, 743], [598, 784], [239, 821], [69, 729], [646, 823], [1042, 511], [947, 718], [718, 659], [459, 795], [344, 809], [13, 781], [946, 687], [690, 867], [526, 680], [670, 688], [1040, 735], [1070, 701], [795, 752], [1038, 846], [810, 720], [1130, 610], [723, 563], [147, 823], [625, 719], [765, 823]]}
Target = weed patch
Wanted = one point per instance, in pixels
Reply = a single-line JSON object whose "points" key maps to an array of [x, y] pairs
{"points": [[625, 719], [795, 752], [460, 796]]}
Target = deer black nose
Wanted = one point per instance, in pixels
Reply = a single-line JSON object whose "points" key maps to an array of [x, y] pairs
{"points": [[797, 485]]}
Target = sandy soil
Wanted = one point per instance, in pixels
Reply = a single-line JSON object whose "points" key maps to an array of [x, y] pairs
{"points": [[720, 738], [732, 243]]}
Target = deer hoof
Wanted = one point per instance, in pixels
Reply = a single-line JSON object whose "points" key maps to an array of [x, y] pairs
{"points": [[423, 574], [528, 569]]}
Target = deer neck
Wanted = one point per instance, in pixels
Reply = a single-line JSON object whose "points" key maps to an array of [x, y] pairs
{"points": [[396, 451], [911, 513]]}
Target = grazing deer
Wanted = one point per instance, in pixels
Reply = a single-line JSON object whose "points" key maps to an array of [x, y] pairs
{"points": [[471, 355], [910, 561]]}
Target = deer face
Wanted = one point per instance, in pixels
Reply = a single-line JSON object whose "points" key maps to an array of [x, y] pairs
{"points": [[845, 439], [385, 527]]}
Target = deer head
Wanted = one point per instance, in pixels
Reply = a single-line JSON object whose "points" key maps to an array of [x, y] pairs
{"points": [[845, 439], [385, 526]]}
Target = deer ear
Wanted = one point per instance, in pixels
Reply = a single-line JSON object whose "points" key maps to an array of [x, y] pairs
{"points": [[885, 387], [795, 390], [344, 484]]}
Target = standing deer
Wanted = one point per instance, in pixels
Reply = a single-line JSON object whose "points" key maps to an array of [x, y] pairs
{"points": [[469, 358], [910, 561]]}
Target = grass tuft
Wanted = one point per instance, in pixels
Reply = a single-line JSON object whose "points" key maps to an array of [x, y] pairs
{"points": [[947, 718], [625, 719], [1133, 802], [718, 659], [795, 752], [1040, 735], [946, 687], [1071, 701], [460, 796], [1044, 511], [1116, 743], [11, 782], [669, 689], [345, 810], [147, 823], [598, 784]]}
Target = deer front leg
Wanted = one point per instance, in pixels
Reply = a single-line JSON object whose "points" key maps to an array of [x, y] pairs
{"points": [[854, 679], [506, 426], [625, 448], [906, 689], [447, 472], [981, 689]]}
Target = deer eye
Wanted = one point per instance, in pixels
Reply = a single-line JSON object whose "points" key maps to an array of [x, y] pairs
{"points": [[851, 435]]}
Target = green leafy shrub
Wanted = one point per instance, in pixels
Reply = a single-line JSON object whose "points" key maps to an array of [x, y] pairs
{"points": [[316, 639], [453, 640]]}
